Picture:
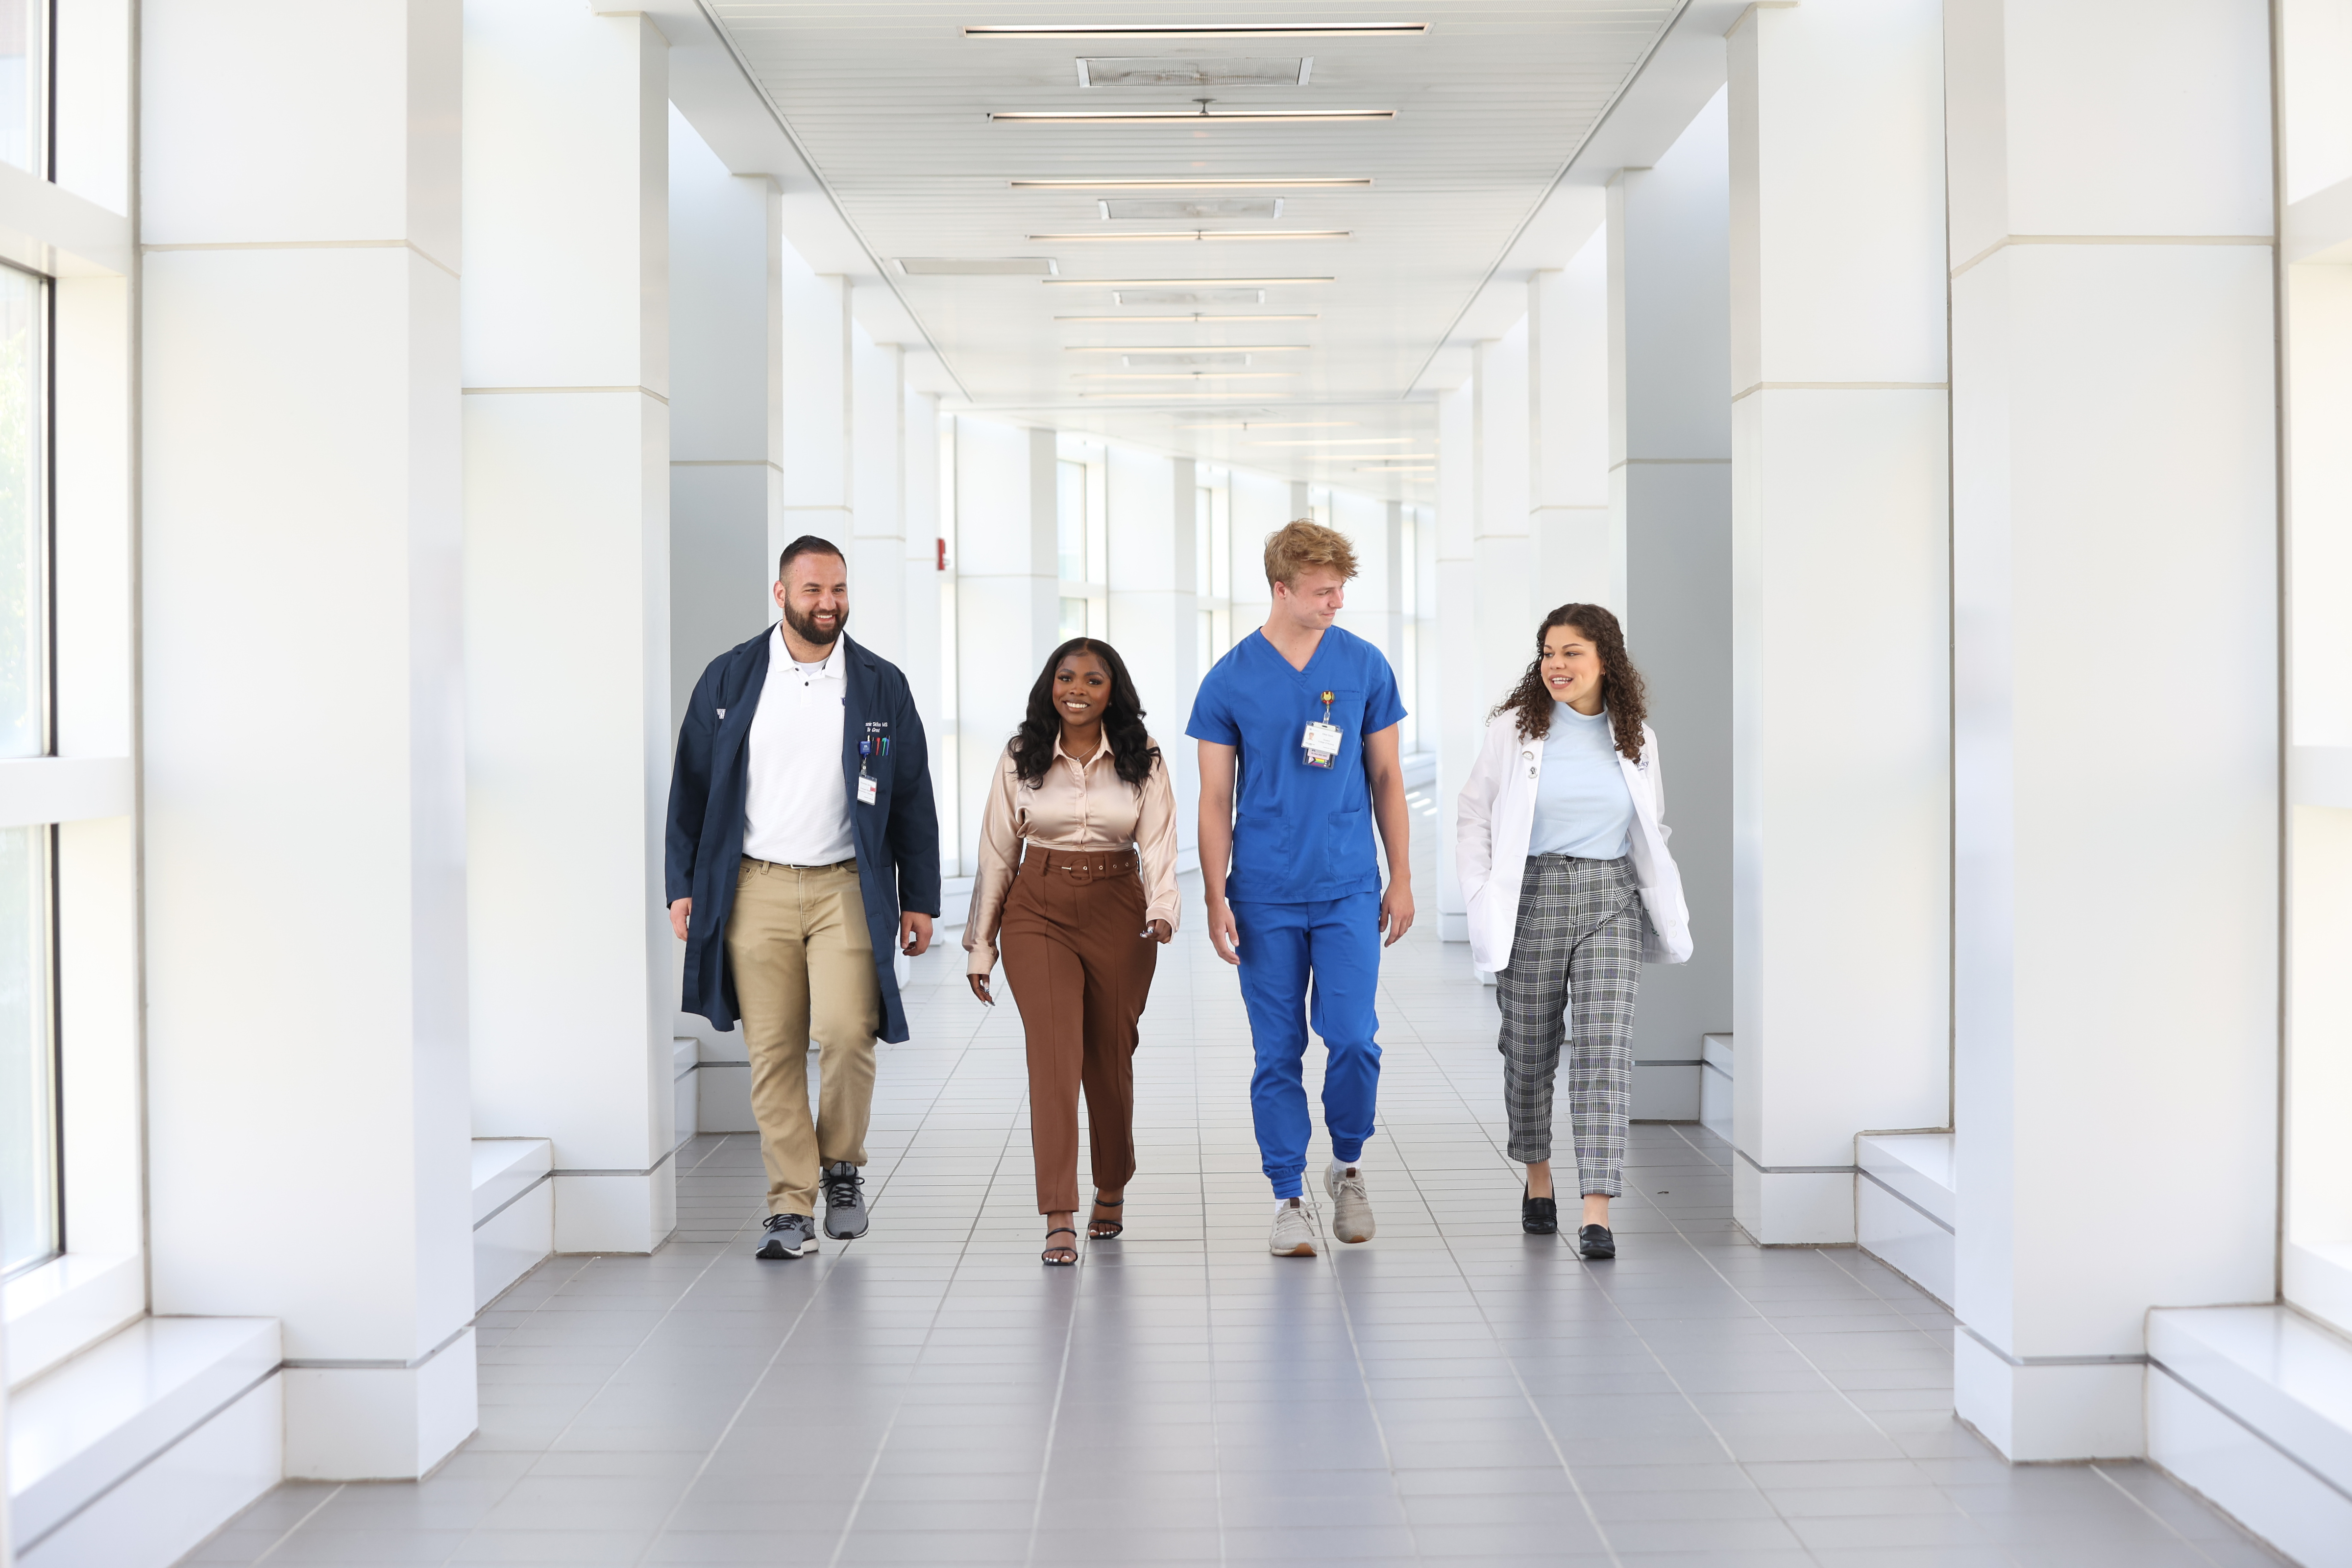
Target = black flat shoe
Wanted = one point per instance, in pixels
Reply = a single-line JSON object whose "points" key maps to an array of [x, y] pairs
{"points": [[1594, 1241], [1538, 1217]]}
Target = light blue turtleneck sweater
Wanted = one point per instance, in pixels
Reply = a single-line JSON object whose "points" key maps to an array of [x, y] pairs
{"points": [[1582, 807]]}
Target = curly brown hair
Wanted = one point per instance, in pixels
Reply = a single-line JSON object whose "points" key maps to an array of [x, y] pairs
{"points": [[1620, 683]]}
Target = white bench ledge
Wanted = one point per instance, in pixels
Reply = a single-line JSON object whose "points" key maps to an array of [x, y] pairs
{"points": [[1715, 1050], [76, 1431], [506, 1168], [2274, 1370], [1917, 1166], [67, 1303], [2318, 1278]]}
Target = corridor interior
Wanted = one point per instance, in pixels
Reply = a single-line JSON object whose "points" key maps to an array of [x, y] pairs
{"points": [[1453, 1392]]}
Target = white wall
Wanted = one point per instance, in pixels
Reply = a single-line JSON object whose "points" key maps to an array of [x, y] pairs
{"points": [[1576, 544]]}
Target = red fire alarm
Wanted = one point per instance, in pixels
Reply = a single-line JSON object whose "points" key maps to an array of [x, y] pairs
{"points": [[943, 553]]}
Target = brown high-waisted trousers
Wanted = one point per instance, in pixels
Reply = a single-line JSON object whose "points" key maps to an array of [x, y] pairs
{"points": [[1080, 973]]}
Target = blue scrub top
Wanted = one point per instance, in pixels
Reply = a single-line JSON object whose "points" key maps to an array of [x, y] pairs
{"points": [[1301, 834]]}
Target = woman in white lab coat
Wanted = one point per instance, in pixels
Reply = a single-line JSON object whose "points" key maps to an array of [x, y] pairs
{"points": [[1561, 845]]}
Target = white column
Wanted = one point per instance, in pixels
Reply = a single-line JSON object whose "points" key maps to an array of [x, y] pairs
{"points": [[1502, 603], [303, 771], [820, 397], [1577, 551], [877, 559], [1008, 594], [927, 605], [1394, 617], [1365, 522], [1670, 491], [567, 604], [1839, 547], [1459, 723], [2114, 445], [1154, 603]]}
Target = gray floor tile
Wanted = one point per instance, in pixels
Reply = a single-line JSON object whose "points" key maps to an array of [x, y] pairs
{"points": [[1451, 1393]]}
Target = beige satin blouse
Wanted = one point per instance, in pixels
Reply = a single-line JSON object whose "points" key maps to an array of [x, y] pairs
{"points": [[1076, 806]]}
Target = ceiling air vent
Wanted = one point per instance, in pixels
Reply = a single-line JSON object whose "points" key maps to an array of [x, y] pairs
{"points": [[1141, 71], [1177, 210], [977, 266], [1188, 296], [1182, 361]]}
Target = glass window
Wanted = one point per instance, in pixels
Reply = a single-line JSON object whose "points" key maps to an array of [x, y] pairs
{"points": [[1221, 545], [24, 517], [1207, 654], [1074, 618], [28, 1081], [1202, 512], [1070, 520], [23, 84]]}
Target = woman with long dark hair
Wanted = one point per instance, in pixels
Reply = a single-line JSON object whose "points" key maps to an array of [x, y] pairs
{"points": [[1561, 844], [1078, 881]]}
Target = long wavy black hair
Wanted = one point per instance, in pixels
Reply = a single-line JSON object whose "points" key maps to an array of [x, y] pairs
{"points": [[1620, 683], [1131, 751]]}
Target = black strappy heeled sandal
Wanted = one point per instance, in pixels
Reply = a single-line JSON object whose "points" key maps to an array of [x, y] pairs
{"points": [[1116, 1226], [1050, 1258]]}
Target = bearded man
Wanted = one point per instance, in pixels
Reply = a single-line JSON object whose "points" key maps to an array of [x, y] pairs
{"points": [[804, 859]]}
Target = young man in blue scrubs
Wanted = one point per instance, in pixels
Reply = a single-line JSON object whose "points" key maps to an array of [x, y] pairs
{"points": [[1301, 717]]}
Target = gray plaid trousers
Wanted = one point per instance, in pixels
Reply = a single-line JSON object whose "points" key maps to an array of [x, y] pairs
{"points": [[1578, 946]]}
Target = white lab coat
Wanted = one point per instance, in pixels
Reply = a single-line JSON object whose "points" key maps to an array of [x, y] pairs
{"points": [[1494, 818]]}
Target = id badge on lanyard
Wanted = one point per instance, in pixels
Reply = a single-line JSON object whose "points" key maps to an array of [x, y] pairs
{"points": [[1321, 744]]}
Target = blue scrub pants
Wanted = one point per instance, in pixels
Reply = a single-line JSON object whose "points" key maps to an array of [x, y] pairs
{"points": [[1336, 944]]}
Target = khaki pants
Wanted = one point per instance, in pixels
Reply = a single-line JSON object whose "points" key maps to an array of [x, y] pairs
{"points": [[804, 968]]}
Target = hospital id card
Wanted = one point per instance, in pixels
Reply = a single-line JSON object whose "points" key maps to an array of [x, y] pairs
{"points": [[867, 789], [1321, 743]]}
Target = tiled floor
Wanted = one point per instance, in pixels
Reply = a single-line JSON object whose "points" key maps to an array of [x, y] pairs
{"points": [[1454, 1391]]}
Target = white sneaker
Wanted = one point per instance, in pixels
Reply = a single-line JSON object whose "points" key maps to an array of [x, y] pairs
{"points": [[1351, 1207], [1293, 1231]]}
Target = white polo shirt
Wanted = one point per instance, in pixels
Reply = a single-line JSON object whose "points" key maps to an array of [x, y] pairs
{"points": [[796, 808]]}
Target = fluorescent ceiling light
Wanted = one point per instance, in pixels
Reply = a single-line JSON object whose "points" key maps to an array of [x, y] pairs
{"points": [[978, 265], [1184, 284], [1186, 375], [1291, 424], [1189, 361], [1177, 116], [1206, 183], [1189, 349], [1228, 70], [1199, 30], [1345, 441], [1192, 318], [1165, 237]]}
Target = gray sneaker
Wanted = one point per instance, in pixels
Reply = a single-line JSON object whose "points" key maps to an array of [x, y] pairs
{"points": [[787, 1235], [844, 1202], [1351, 1207], [1293, 1231]]}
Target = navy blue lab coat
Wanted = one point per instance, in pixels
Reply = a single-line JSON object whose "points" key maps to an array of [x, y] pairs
{"points": [[897, 837]]}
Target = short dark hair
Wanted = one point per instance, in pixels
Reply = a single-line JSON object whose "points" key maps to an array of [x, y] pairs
{"points": [[807, 545]]}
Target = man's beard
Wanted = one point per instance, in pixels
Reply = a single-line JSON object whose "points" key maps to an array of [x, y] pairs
{"points": [[805, 628]]}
